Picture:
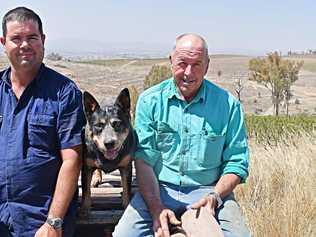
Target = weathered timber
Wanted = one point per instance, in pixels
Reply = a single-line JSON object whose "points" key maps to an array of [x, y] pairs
{"points": [[106, 209]]}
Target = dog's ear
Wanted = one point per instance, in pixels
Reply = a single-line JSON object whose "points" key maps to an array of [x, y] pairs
{"points": [[123, 100], [90, 104]]}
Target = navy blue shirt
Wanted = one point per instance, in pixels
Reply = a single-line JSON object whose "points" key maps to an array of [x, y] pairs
{"points": [[48, 117]]}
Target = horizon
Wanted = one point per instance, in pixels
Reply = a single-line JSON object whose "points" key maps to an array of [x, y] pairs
{"points": [[149, 28]]}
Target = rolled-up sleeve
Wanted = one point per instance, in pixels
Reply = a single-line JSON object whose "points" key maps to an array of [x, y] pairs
{"points": [[145, 129], [236, 152], [71, 117]]}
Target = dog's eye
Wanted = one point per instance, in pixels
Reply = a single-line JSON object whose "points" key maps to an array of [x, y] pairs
{"points": [[98, 127], [116, 124]]}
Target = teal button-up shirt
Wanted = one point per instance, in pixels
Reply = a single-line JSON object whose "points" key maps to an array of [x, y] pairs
{"points": [[193, 143]]}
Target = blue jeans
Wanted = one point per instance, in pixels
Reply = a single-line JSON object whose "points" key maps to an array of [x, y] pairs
{"points": [[137, 222]]}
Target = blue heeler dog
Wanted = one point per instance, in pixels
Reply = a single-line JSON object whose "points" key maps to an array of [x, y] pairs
{"points": [[109, 143]]}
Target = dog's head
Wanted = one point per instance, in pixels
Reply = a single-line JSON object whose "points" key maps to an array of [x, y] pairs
{"points": [[108, 125]]}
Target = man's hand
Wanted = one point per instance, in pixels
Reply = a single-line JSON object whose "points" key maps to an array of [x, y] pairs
{"points": [[161, 223], [208, 201], [48, 231]]}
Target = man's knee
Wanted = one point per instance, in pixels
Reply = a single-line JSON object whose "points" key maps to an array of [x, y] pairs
{"points": [[231, 218], [135, 221]]}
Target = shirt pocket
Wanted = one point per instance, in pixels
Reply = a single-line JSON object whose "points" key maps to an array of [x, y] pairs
{"points": [[209, 146], [42, 131], [166, 140]]}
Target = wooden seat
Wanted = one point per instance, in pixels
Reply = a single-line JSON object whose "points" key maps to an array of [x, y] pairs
{"points": [[107, 209]]}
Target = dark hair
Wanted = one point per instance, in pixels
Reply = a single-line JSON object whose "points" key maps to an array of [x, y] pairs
{"points": [[21, 14]]}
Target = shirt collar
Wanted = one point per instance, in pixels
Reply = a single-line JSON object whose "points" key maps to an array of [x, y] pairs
{"points": [[6, 76], [173, 92], [7, 73]]}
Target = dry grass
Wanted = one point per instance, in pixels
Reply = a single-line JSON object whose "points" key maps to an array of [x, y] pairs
{"points": [[279, 196], [121, 62]]}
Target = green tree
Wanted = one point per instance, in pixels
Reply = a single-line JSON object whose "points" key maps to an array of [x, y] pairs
{"points": [[54, 56], [157, 74], [133, 96], [277, 75]]}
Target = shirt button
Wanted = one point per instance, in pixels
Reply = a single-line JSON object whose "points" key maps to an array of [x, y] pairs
{"points": [[213, 139], [186, 130]]}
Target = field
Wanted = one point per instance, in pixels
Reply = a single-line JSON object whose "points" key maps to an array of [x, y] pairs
{"points": [[106, 77], [279, 197]]}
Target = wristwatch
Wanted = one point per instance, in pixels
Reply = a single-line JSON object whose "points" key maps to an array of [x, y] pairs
{"points": [[56, 223], [218, 198]]}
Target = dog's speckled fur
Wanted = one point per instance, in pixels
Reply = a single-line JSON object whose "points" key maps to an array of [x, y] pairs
{"points": [[109, 142]]}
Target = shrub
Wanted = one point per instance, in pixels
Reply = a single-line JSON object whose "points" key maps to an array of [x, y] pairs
{"points": [[271, 130], [54, 57], [157, 74], [133, 96]]}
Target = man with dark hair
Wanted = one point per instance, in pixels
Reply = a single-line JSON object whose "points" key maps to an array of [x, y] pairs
{"points": [[192, 150], [41, 119], [21, 14]]}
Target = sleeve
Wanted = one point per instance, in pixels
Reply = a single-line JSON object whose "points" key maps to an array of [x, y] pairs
{"points": [[71, 117], [236, 152], [145, 128]]}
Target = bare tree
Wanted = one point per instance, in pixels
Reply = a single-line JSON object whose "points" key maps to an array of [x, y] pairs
{"points": [[239, 83], [219, 74]]}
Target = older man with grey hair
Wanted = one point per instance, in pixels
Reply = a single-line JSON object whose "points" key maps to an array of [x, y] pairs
{"points": [[192, 149]]}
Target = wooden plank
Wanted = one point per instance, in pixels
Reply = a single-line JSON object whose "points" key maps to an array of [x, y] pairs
{"points": [[106, 198], [106, 209], [108, 217], [107, 191]]}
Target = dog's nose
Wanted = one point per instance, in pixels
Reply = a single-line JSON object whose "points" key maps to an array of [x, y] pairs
{"points": [[110, 144]]}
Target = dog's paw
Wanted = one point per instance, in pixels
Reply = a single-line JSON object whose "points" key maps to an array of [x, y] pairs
{"points": [[96, 178], [96, 181]]}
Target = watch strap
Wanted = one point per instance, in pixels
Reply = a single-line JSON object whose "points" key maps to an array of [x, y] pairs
{"points": [[218, 198]]}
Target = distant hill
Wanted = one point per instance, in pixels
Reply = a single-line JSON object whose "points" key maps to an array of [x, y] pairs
{"points": [[91, 49], [75, 48]]}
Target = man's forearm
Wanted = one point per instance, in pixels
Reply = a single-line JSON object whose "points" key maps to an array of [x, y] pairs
{"points": [[66, 182], [226, 184], [149, 187]]}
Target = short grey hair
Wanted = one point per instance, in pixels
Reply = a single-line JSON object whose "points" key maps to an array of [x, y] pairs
{"points": [[205, 46]]}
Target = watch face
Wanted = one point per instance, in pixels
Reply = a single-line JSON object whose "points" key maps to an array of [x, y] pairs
{"points": [[56, 223]]}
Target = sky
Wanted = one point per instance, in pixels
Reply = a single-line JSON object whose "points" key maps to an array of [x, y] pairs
{"points": [[251, 27]]}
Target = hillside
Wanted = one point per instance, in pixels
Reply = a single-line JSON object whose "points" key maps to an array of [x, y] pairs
{"points": [[107, 77]]}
